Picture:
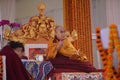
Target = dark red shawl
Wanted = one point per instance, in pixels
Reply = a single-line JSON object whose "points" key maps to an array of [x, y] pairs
{"points": [[64, 64], [15, 69]]}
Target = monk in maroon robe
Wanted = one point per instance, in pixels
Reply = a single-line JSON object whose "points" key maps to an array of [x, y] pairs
{"points": [[64, 57], [15, 69]]}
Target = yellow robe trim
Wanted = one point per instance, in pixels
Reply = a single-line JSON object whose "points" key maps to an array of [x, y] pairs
{"points": [[67, 49]]}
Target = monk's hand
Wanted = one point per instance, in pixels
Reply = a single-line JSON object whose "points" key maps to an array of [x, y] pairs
{"points": [[75, 56], [82, 57], [60, 43]]}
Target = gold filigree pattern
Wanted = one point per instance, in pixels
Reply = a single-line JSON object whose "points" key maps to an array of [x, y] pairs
{"points": [[38, 27]]}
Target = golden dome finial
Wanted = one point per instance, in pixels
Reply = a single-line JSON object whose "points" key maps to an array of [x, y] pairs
{"points": [[41, 6]]}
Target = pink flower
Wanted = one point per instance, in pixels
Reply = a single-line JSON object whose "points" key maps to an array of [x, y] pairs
{"points": [[0, 23], [4, 22], [14, 24]]}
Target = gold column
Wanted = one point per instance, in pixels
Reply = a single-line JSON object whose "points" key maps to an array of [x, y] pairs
{"points": [[77, 16]]}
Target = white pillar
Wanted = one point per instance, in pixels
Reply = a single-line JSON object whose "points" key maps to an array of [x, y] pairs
{"points": [[113, 11]]}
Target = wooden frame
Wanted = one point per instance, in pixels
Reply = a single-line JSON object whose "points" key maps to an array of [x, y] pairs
{"points": [[33, 50]]}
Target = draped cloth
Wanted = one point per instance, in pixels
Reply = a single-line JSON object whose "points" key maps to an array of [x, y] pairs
{"points": [[38, 71], [66, 64], [45, 68], [15, 69], [32, 67]]}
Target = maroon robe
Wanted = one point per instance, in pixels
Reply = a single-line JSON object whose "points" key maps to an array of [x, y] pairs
{"points": [[24, 57], [64, 64], [15, 69]]}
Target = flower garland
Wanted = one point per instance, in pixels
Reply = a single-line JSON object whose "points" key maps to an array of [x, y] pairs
{"points": [[114, 43], [109, 71], [1, 68], [102, 51], [106, 55]]}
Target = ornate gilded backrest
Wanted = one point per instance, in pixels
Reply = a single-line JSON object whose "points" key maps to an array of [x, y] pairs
{"points": [[39, 29]]}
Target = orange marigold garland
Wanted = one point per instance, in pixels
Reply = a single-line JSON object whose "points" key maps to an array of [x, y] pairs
{"points": [[109, 70], [102, 51], [1, 68], [116, 41], [107, 55]]}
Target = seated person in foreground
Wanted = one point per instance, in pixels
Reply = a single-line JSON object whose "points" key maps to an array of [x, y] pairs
{"points": [[15, 69], [21, 52], [63, 54], [22, 55]]}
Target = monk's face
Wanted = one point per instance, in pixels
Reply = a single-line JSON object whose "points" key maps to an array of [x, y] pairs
{"points": [[60, 33], [18, 51]]}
